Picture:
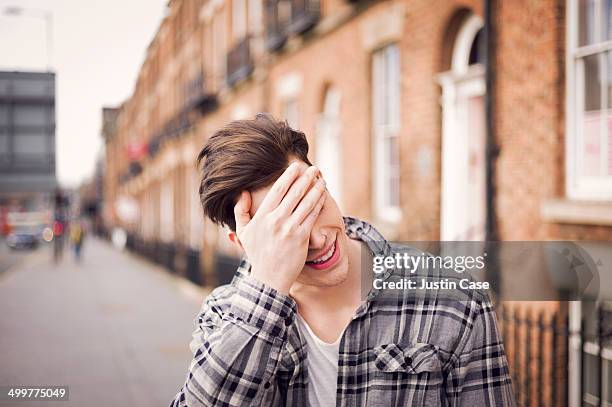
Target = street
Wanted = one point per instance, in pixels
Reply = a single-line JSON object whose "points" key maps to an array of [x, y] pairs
{"points": [[115, 329], [9, 257]]}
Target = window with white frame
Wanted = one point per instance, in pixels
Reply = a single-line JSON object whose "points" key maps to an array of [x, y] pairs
{"points": [[291, 113], [255, 20], [239, 19], [328, 146], [386, 124], [589, 99], [219, 45]]}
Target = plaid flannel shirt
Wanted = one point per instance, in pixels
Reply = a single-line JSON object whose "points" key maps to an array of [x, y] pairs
{"points": [[398, 350]]}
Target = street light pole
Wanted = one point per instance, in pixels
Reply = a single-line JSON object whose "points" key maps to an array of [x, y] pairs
{"points": [[46, 15], [49, 24]]}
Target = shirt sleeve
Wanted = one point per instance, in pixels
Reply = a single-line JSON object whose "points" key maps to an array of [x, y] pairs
{"points": [[479, 375], [236, 346]]}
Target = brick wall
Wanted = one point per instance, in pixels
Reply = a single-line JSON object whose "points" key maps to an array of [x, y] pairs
{"points": [[529, 92]]}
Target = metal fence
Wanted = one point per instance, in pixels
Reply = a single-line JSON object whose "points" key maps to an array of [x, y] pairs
{"points": [[178, 259], [536, 343]]}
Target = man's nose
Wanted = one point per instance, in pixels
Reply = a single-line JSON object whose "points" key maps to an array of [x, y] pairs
{"points": [[318, 239]]}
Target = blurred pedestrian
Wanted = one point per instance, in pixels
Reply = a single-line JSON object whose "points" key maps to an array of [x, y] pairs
{"points": [[77, 236], [58, 240]]}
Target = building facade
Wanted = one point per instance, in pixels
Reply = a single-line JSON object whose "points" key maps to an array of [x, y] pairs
{"points": [[434, 120], [27, 140]]}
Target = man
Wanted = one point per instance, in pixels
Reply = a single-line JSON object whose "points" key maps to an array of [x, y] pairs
{"points": [[293, 329]]}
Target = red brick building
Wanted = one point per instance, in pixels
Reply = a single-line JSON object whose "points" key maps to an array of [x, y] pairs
{"points": [[444, 119]]}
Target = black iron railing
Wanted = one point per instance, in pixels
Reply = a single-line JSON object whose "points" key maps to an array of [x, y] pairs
{"points": [[175, 258], [276, 25], [239, 62], [536, 344], [284, 17], [304, 15], [199, 96], [225, 267], [192, 266]]}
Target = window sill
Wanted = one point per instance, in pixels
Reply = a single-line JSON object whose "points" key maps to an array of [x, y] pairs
{"points": [[577, 212]]}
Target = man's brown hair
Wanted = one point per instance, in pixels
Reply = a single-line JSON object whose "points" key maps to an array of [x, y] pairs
{"points": [[245, 155]]}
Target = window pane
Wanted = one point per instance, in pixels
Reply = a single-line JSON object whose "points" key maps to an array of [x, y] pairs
{"points": [[238, 19], [592, 83], [291, 114], [591, 374], [33, 87], [393, 85], [608, 159], [586, 22], [391, 153], [4, 143], [30, 144], [31, 115], [4, 115], [393, 191], [607, 19], [386, 106], [477, 50], [219, 45], [591, 144], [378, 99], [591, 148], [284, 12], [255, 15]]}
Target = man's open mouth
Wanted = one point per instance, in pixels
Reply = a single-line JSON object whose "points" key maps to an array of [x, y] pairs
{"points": [[327, 259]]}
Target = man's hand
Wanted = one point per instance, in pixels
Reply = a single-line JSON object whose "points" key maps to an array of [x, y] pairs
{"points": [[276, 239]]}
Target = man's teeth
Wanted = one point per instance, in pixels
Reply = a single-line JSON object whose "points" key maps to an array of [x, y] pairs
{"points": [[325, 257]]}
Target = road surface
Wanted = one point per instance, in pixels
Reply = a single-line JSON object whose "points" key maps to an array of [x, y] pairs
{"points": [[114, 328]]}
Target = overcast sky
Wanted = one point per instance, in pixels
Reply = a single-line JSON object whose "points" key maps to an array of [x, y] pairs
{"points": [[98, 47]]}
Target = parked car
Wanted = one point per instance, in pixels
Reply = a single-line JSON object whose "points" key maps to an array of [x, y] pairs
{"points": [[23, 238]]}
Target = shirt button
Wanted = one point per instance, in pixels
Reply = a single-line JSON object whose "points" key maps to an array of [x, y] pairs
{"points": [[267, 385]]}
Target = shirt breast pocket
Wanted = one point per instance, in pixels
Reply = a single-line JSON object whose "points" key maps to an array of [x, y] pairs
{"points": [[413, 372]]}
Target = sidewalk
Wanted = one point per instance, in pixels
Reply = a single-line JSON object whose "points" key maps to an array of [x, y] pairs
{"points": [[114, 328]]}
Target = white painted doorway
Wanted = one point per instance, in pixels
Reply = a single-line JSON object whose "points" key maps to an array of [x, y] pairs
{"points": [[463, 189]]}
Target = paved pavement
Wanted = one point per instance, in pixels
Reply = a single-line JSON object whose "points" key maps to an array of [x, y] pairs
{"points": [[114, 328], [8, 257]]}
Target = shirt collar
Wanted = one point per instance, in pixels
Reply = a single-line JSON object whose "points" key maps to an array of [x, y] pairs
{"points": [[378, 245]]}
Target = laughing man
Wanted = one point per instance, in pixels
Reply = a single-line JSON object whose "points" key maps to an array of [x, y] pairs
{"points": [[293, 328]]}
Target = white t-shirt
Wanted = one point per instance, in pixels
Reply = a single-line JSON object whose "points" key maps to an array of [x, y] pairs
{"points": [[322, 365]]}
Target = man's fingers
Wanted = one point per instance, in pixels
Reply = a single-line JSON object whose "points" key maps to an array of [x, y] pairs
{"points": [[241, 210], [309, 202], [279, 189], [297, 191], [311, 218]]}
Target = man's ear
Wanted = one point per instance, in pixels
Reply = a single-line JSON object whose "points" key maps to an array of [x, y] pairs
{"points": [[233, 237]]}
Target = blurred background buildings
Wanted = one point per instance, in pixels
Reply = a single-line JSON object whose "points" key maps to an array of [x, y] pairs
{"points": [[433, 120], [27, 143]]}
